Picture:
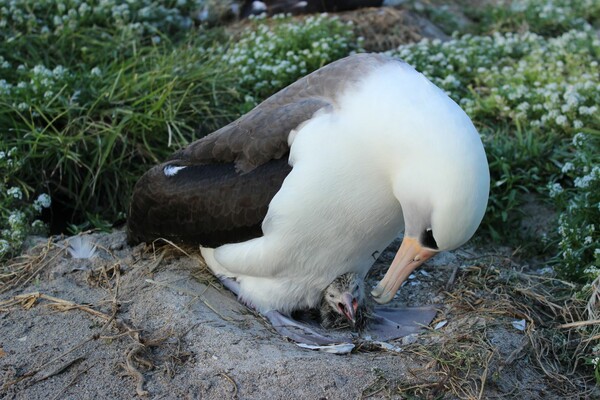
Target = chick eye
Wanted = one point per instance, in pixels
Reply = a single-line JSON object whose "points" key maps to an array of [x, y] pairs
{"points": [[428, 240], [331, 296]]}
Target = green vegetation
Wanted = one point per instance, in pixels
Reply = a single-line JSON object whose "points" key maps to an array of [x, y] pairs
{"points": [[529, 80], [529, 95], [546, 17], [580, 209], [272, 56], [93, 104], [17, 219]]}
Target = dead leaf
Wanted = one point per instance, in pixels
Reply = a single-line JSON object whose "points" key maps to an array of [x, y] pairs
{"points": [[2, 352]]}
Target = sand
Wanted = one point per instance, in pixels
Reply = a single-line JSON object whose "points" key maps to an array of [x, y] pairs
{"points": [[185, 336]]}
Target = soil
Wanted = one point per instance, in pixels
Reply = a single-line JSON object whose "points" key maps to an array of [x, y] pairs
{"points": [[187, 337]]}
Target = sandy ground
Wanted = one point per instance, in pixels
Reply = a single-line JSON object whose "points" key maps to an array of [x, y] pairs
{"points": [[208, 345], [162, 314]]}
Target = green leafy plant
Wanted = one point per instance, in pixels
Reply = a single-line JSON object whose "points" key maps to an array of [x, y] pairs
{"points": [[277, 52], [528, 95], [86, 136], [546, 17], [21, 17], [517, 163], [578, 196], [92, 128], [594, 362], [18, 212], [97, 100]]}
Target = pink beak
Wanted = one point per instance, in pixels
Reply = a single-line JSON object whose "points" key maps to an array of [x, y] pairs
{"points": [[348, 307], [410, 255]]}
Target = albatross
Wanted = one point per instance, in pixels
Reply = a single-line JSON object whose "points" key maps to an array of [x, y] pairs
{"points": [[319, 179]]}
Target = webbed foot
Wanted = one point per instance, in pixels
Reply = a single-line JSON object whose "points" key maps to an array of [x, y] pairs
{"points": [[387, 323], [297, 331]]}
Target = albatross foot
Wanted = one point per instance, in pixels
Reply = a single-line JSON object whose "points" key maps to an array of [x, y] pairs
{"points": [[294, 330], [298, 331], [385, 323], [388, 323]]}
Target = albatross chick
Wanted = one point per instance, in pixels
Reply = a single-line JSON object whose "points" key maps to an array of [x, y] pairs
{"points": [[344, 304]]}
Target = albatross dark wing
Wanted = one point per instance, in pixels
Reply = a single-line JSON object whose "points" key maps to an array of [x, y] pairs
{"points": [[218, 189], [208, 204]]}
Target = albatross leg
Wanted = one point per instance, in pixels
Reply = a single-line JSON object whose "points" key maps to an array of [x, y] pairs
{"points": [[230, 284]]}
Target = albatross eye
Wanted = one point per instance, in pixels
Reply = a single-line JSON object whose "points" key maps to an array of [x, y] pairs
{"points": [[428, 240]]}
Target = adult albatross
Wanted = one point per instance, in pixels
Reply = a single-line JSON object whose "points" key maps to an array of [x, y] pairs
{"points": [[318, 179]]}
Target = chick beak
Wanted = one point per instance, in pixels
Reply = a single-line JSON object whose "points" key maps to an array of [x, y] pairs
{"points": [[348, 306]]}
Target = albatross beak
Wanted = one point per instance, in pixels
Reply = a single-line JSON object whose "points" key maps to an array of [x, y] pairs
{"points": [[410, 255], [348, 306]]}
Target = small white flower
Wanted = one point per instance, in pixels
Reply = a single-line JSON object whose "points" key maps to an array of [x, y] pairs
{"points": [[15, 219], [561, 120], [583, 182], [15, 192], [44, 200], [37, 225], [568, 166], [4, 247], [579, 139], [96, 71], [583, 110], [555, 189], [59, 71]]}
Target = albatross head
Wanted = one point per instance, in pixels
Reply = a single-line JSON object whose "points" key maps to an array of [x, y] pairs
{"points": [[443, 190]]}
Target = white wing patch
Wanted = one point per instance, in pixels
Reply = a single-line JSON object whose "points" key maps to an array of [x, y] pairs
{"points": [[171, 170]]}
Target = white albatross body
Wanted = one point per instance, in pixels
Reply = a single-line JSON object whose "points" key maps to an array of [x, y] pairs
{"points": [[395, 153]]}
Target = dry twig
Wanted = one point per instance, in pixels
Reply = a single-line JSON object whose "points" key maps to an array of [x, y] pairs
{"points": [[72, 381], [24, 268], [133, 371], [230, 379]]}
